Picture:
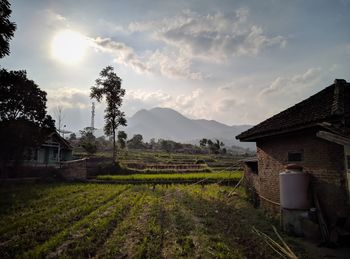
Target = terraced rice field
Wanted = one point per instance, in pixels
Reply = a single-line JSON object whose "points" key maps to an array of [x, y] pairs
{"points": [[229, 176], [119, 221]]}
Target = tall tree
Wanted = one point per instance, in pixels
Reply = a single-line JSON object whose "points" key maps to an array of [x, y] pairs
{"points": [[108, 85], [7, 28]]}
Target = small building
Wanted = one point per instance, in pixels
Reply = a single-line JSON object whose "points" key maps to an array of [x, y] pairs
{"points": [[314, 134], [51, 153]]}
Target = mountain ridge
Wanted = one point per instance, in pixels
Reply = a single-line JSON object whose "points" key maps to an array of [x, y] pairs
{"points": [[167, 123]]}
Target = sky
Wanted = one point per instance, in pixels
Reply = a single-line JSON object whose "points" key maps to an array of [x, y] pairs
{"points": [[237, 62]]}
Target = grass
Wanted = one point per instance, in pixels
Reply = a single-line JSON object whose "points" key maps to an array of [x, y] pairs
{"points": [[119, 221], [174, 177]]}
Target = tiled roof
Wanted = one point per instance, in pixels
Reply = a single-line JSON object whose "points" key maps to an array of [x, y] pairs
{"points": [[329, 105]]}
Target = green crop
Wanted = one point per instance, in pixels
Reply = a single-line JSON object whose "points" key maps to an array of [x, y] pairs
{"points": [[187, 176]]}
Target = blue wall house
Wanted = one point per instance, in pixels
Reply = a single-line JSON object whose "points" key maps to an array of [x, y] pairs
{"points": [[52, 152]]}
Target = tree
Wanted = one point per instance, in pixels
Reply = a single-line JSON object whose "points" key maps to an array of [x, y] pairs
{"points": [[166, 145], [21, 98], [136, 142], [59, 117], [108, 85], [203, 142], [23, 119], [72, 137], [122, 136], [7, 28], [152, 143], [214, 147], [88, 141]]}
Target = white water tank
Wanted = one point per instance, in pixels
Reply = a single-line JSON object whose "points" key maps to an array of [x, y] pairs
{"points": [[294, 184]]}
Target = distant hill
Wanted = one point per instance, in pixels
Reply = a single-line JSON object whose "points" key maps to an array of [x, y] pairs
{"points": [[167, 123]]}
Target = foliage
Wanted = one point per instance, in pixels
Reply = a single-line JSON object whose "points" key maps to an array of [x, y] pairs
{"points": [[24, 123], [108, 85], [88, 141], [7, 28], [136, 142], [104, 144], [169, 146], [215, 147], [72, 136], [203, 142], [21, 98], [122, 136]]}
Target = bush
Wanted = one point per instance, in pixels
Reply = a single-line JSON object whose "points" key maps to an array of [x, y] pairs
{"points": [[200, 161]]}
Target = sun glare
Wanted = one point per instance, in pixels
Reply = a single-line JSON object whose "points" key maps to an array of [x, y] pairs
{"points": [[69, 46]]}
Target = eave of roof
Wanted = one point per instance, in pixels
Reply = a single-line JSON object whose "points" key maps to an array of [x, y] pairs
{"points": [[65, 142], [328, 105]]}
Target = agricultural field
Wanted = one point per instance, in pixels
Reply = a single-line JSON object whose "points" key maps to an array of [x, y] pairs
{"points": [[160, 167], [62, 220], [219, 162], [234, 177]]}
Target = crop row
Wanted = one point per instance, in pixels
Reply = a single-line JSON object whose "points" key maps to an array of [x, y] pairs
{"points": [[34, 225], [83, 238], [165, 171], [187, 176], [182, 166], [141, 222]]}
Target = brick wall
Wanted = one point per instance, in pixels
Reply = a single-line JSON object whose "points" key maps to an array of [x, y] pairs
{"points": [[322, 159], [75, 169]]}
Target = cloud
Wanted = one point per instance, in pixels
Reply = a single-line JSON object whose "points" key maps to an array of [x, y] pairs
{"points": [[227, 104], [53, 17], [172, 65], [75, 105], [122, 53], [292, 84], [182, 40], [252, 100], [189, 37], [212, 37], [67, 98], [164, 63]]}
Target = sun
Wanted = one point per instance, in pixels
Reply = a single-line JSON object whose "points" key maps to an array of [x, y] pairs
{"points": [[69, 46]]}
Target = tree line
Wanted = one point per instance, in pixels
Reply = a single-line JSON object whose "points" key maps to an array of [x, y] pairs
{"points": [[92, 144]]}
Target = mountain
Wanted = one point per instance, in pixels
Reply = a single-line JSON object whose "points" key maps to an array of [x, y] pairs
{"points": [[167, 123]]}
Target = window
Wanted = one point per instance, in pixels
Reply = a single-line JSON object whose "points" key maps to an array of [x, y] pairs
{"points": [[253, 166], [294, 156]]}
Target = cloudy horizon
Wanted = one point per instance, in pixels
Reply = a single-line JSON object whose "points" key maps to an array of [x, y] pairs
{"points": [[235, 62]]}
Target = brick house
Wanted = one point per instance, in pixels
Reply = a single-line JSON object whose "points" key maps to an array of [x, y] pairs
{"points": [[315, 134]]}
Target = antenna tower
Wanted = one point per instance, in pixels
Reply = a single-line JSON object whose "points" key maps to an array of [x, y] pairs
{"points": [[93, 116]]}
